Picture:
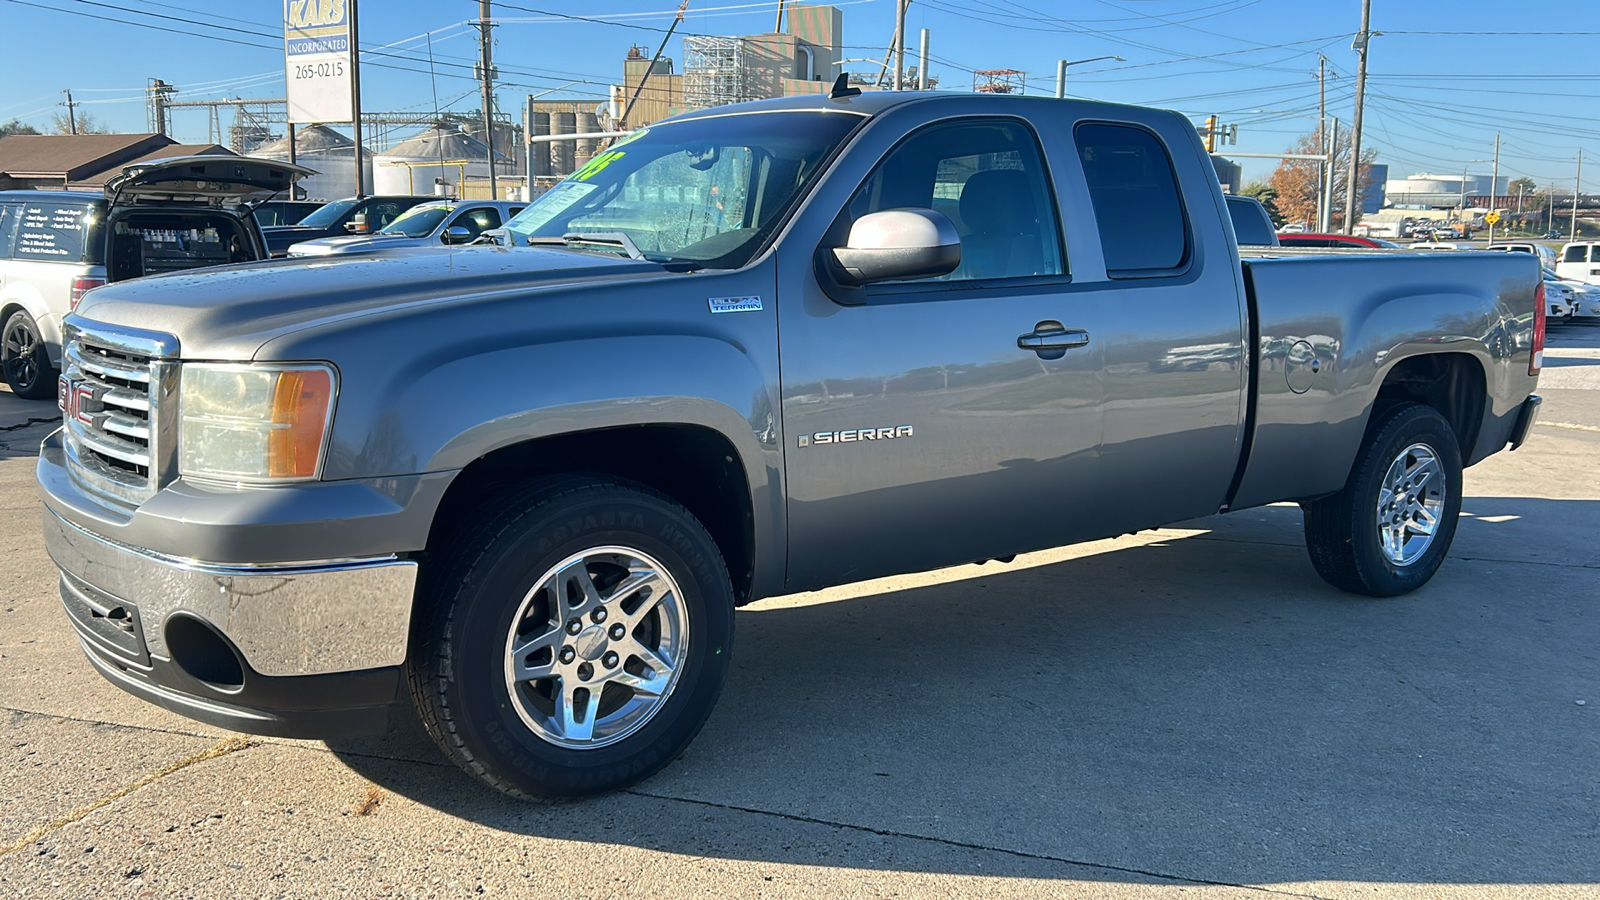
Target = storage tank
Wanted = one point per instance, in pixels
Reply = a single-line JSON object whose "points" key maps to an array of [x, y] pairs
{"points": [[588, 123], [436, 161], [562, 152], [539, 154], [329, 153]]}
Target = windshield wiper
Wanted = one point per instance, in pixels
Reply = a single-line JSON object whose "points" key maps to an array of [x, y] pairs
{"points": [[612, 241]]}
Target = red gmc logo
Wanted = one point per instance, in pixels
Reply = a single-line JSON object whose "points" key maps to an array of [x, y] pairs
{"points": [[74, 400]]}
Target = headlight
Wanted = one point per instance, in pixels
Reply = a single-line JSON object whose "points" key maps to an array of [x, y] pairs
{"points": [[258, 423]]}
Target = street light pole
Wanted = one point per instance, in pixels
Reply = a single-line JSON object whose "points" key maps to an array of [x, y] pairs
{"points": [[1061, 71], [1577, 188]]}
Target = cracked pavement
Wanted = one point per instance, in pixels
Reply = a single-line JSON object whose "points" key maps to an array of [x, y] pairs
{"points": [[1183, 712]]}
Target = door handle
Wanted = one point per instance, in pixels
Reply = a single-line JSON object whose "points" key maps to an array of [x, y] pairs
{"points": [[1052, 340]]}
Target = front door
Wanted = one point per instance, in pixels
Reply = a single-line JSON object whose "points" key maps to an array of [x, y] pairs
{"points": [[917, 432]]}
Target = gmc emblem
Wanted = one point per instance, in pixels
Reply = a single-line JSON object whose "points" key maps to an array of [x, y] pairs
{"points": [[74, 400]]}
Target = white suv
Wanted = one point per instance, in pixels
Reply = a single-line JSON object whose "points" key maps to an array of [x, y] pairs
{"points": [[160, 216]]}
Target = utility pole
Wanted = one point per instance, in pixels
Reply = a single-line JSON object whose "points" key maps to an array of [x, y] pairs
{"points": [[900, 43], [355, 95], [1352, 196], [1577, 188], [1494, 182], [1327, 182], [1061, 79], [778, 28], [1325, 198], [922, 63], [72, 115], [486, 77]]}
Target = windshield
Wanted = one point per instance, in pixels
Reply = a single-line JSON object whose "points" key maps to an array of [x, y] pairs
{"points": [[327, 215], [418, 221], [704, 191]]}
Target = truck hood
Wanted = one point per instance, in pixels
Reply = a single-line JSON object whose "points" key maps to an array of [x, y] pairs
{"points": [[229, 312], [355, 243]]}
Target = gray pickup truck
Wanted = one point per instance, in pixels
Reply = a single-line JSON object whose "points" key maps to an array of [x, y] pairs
{"points": [[752, 350]]}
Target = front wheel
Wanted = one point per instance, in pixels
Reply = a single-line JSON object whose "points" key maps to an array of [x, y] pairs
{"points": [[574, 641], [25, 358], [1388, 531]]}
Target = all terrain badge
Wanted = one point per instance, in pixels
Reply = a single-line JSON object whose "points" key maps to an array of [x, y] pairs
{"points": [[735, 304]]}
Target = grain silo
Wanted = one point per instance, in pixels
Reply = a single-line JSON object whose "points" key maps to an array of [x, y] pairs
{"points": [[329, 153], [437, 161]]}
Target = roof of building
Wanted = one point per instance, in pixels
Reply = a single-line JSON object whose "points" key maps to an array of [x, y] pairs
{"points": [[169, 151], [307, 139], [72, 156], [440, 142]]}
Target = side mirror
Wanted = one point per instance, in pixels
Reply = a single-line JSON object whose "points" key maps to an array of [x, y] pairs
{"points": [[895, 244], [455, 234], [358, 224]]}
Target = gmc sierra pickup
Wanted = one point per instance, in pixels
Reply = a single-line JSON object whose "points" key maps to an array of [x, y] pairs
{"points": [[746, 351]]}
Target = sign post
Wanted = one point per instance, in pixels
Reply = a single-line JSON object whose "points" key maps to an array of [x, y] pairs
{"points": [[319, 51]]}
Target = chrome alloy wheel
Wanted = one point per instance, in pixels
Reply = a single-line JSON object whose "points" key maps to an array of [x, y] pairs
{"points": [[1411, 499], [596, 647]]}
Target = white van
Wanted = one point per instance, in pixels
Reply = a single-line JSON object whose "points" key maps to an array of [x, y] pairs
{"points": [[1547, 256], [1580, 261]]}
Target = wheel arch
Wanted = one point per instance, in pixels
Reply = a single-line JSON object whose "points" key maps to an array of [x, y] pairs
{"points": [[697, 466], [1454, 384]]}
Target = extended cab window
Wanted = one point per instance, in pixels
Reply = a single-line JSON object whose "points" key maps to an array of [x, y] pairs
{"points": [[989, 179], [1143, 231]]}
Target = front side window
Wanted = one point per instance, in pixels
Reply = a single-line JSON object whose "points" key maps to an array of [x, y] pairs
{"points": [[988, 178], [418, 221], [477, 221], [701, 191], [382, 212], [1143, 230], [327, 215]]}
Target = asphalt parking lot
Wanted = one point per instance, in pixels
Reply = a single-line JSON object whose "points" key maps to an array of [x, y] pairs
{"points": [[1183, 712]]}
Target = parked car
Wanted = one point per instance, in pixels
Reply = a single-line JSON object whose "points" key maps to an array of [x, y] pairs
{"points": [[160, 216], [341, 217], [1580, 261], [274, 213], [1337, 241], [1251, 224], [757, 349], [1547, 256], [1560, 297], [430, 224]]}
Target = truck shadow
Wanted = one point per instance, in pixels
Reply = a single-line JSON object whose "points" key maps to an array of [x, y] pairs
{"points": [[1200, 706]]}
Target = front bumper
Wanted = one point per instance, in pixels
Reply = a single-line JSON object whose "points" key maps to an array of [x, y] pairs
{"points": [[295, 649]]}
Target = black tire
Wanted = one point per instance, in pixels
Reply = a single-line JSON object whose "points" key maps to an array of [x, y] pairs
{"points": [[25, 358], [471, 593], [1343, 532]]}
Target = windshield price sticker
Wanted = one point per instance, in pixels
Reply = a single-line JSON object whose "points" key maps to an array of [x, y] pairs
{"points": [[735, 304]]}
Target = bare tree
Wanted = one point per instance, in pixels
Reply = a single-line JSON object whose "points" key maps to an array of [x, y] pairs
{"points": [[87, 124]]}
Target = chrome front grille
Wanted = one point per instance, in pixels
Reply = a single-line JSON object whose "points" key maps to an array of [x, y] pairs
{"points": [[118, 396]]}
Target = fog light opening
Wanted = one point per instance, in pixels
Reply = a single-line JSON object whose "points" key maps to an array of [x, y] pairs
{"points": [[207, 656]]}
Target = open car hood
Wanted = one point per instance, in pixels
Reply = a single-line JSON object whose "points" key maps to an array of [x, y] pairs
{"points": [[209, 180]]}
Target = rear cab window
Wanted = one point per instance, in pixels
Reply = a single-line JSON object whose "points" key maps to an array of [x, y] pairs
{"points": [[1144, 231]]}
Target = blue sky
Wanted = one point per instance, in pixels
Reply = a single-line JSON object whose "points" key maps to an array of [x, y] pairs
{"points": [[1443, 77]]}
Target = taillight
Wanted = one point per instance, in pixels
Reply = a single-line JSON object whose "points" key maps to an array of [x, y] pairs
{"points": [[81, 286], [1536, 361]]}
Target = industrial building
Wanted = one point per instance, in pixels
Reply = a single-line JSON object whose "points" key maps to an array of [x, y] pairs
{"points": [[802, 59]]}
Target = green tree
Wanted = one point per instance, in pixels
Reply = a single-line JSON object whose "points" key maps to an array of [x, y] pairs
{"points": [[16, 126], [1267, 195]]}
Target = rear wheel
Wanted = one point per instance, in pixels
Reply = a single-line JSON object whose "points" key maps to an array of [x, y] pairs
{"points": [[25, 358], [1388, 531], [573, 641]]}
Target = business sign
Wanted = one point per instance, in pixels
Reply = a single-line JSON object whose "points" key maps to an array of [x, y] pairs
{"points": [[318, 60]]}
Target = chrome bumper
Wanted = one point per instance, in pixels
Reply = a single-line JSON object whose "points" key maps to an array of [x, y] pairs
{"points": [[308, 619]]}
